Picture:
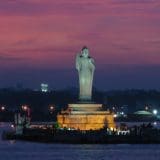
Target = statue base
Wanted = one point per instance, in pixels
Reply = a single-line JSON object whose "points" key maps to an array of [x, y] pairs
{"points": [[85, 117], [85, 107]]}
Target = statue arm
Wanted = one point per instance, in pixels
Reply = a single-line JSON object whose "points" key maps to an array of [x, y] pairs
{"points": [[78, 61], [92, 64]]}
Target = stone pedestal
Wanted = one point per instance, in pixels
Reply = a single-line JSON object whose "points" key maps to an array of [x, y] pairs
{"points": [[88, 107], [85, 117]]}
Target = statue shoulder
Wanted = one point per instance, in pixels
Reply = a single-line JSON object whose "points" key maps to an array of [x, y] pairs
{"points": [[91, 59]]}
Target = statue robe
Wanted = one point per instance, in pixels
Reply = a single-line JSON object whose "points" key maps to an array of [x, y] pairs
{"points": [[85, 67]]}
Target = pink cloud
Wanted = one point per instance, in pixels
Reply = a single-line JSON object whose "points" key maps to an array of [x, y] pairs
{"points": [[46, 32]]}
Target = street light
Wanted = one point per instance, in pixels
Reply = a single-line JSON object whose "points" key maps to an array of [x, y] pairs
{"points": [[3, 108], [25, 108], [51, 108]]}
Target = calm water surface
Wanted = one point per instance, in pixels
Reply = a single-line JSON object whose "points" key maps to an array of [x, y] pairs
{"points": [[17, 150]]}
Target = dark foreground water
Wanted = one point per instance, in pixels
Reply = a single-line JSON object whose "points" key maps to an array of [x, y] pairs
{"points": [[17, 150]]}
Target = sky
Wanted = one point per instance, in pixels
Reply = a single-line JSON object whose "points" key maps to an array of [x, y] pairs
{"points": [[39, 40]]}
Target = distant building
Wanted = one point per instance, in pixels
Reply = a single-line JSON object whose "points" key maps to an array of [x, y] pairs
{"points": [[44, 87]]}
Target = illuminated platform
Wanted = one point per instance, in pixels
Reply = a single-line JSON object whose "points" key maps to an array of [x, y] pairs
{"points": [[85, 117]]}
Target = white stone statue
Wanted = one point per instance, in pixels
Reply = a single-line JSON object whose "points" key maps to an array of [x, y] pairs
{"points": [[85, 66]]}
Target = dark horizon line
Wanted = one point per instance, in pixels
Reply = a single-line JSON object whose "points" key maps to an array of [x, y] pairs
{"points": [[14, 88]]}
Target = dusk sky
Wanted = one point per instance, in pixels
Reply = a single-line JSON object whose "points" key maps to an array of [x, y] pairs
{"points": [[39, 40]]}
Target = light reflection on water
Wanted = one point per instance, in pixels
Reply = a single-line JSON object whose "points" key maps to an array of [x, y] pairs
{"points": [[18, 150]]}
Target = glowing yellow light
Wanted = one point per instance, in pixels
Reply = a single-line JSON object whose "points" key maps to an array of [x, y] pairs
{"points": [[111, 128], [115, 115]]}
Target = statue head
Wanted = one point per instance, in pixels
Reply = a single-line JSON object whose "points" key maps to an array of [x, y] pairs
{"points": [[85, 52]]}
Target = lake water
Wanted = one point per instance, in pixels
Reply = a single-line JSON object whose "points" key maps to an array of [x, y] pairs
{"points": [[18, 150]]}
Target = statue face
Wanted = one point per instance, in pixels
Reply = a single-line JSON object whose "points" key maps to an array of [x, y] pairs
{"points": [[85, 52]]}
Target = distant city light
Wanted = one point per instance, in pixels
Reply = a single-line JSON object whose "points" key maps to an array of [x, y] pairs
{"points": [[155, 123], [12, 126], [146, 108], [52, 109], [2, 108], [155, 112], [25, 107], [44, 87], [122, 113]]}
